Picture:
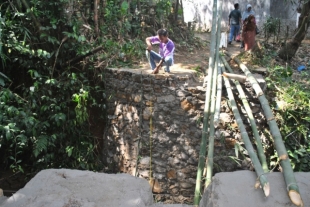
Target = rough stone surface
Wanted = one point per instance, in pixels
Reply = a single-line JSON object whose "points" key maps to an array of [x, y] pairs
{"points": [[168, 106], [74, 188], [237, 189], [171, 107]]}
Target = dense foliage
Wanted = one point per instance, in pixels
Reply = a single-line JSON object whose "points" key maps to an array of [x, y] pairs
{"points": [[292, 110], [53, 56]]}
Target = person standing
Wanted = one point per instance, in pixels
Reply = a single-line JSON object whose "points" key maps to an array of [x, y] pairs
{"points": [[247, 12], [234, 22], [249, 32], [166, 49], [245, 15]]}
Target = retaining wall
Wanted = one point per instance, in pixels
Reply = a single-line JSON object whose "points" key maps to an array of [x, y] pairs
{"points": [[171, 108]]}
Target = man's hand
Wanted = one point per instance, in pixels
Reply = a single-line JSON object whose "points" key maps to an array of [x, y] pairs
{"points": [[149, 47]]}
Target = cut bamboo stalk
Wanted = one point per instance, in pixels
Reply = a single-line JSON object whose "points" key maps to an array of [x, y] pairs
{"points": [[240, 78], [247, 108], [245, 137], [202, 152], [292, 187], [213, 100], [218, 95]]}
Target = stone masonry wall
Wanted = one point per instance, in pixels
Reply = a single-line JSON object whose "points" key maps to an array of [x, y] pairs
{"points": [[172, 107]]}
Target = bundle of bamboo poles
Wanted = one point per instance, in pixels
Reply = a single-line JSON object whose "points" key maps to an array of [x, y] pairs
{"points": [[291, 184], [216, 71], [202, 152], [245, 137], [213, 100]]}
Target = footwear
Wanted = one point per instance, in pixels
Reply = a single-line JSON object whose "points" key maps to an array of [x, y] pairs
{"points": [[229, 42], [242, 45]]}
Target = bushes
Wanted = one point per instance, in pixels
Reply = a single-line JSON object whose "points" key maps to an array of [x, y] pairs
{"points": [[292, 111], [52, 78]]}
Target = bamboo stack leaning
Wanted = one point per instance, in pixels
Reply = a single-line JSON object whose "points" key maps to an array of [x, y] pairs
{"points": [[291, 184]]}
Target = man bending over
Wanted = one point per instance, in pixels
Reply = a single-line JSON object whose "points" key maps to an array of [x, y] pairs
{"points": [[166, 49]]}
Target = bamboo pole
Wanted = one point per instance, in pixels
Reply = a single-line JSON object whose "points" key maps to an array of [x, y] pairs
{"points": [[202, 152], [213, 100], [247, 108], [240, 78], [245, 137], [291, 185], [218, 95]]}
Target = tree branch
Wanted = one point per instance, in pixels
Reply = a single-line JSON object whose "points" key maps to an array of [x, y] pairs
{"points": [[79, 58]]}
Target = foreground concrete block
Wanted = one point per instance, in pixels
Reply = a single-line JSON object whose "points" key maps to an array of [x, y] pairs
{"points": [[75, 188], [236, 189], [68, 188]]}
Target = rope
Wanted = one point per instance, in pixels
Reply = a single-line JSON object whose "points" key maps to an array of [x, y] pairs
{"points": [[151, 127], [151, 132], [140, 126]]}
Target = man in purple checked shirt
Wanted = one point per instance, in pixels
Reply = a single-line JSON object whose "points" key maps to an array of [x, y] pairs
{"points": [[166, 49]]}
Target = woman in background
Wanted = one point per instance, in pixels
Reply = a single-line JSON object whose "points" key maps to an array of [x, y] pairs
{"points": [[249, 32]]}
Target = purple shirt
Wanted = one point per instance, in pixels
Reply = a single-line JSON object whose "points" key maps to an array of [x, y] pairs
{"points": [[165, 49]]}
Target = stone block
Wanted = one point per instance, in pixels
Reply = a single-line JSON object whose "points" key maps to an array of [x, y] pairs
{"points": [[147, 113], [237, 189], [63, 187], [186, 105], [136, 98], [171, 174], [165, 99], [183, 93], [151, 98], [186, 185]]}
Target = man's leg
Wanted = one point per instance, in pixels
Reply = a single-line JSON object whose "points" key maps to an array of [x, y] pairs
{"points": [[237, 29], [231, 33], [152, 57], [168, 63]]}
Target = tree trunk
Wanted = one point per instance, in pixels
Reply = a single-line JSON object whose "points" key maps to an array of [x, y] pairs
{"points": [[96, 3], [289, 50], [102, 12], [176, 11]]}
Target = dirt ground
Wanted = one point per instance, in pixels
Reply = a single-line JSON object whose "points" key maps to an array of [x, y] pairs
{"points": [[197, 58]]}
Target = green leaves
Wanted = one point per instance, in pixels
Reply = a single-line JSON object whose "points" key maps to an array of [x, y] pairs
{"points": [[293, 113], [81, 109], [2, 78], [124, 7], [40, 145]]}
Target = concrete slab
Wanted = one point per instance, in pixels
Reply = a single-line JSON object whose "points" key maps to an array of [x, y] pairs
{"points": [[75, 188], [68, 188], [169, 205], [237, 189]]}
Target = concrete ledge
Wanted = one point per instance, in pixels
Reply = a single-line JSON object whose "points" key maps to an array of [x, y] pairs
{"points": [[74, 188], [236, 189]]}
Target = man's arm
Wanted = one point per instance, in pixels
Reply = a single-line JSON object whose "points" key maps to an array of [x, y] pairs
{"points": [[243, 16], [149, 44]]}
